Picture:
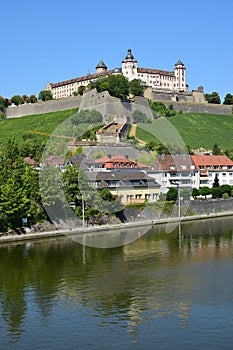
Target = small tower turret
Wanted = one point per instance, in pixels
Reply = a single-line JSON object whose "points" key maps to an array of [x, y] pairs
{"points": [[180, 74], [101, 67]]}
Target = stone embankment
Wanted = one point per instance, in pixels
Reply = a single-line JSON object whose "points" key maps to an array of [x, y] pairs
{"points": [[96, 230]]}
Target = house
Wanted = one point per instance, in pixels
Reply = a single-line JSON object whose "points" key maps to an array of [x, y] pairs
{"points": [[129, 186], [80, 160], [209, 166], [173, 170]]}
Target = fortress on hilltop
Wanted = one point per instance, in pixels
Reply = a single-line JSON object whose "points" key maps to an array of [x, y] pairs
{"points": [[170, 87], [156, 79]]}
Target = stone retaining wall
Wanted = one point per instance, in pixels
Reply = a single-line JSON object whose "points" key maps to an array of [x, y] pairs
{"points": [[110, 106]]}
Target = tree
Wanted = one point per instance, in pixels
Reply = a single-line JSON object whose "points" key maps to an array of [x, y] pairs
{"points": [[228, 100], [195, 192], [226, 189], [139, 117], [45, 95], [172, 194], [205, 191], [216, 192], [216, 181], [213, 98], [116, 85], [216, 150], [17, 100], [81, 89], [32, 99], [136, 87], [4, 103]]}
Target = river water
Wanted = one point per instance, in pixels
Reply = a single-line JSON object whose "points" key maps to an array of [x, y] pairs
{"points": [[163, 291]]}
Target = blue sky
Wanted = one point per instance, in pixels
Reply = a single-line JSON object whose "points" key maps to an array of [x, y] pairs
{"points": [[58, 40]]}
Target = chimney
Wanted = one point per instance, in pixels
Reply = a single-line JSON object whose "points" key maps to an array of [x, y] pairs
{"points": [[109, 155], [126, 156]]}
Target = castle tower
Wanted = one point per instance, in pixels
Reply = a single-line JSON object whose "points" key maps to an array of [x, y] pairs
{"points": [[129, 66], [180, 74], [101, 67]]}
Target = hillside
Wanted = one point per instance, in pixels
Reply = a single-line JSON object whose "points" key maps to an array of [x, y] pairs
{"points": [[17, 128], [196, 130]]}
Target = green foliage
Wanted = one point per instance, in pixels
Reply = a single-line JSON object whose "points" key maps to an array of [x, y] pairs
{"points": [[213, 98], [4, 103], [116, 85], [228, 100], [17, 128], [19, 190], [33, 99], [45, 95], [87, 116], [91, 133], [136, 87], [205, 191], [226, 189], [216, 150], [139, 117], [196, 130], [225, 195], [17, 100], [161, 109], [81, 89], [195, 192], [172, 194], [216, 192], [216, 181]]}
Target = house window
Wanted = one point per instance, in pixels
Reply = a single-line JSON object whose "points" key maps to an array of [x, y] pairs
{"points": [[147, 196], [129, 197], [224, 174], [138, 196]]}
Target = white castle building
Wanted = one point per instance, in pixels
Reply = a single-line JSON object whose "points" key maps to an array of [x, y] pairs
{"points": [[154, 78]]}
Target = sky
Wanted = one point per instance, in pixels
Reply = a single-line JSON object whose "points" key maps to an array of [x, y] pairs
{"points": [[51, 41]]}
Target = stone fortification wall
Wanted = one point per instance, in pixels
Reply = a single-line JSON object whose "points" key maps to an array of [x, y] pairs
{"points": [[208, 108], [43, 107], [110, 106], [192, 102]]}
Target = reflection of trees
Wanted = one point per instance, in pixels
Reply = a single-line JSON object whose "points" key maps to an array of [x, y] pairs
{"points": [[125, 285]]}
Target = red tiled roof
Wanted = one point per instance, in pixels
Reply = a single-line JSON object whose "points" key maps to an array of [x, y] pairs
{"points": [[110, 161], [205, 160], [80, 79], [155, 71], [172, 163]]}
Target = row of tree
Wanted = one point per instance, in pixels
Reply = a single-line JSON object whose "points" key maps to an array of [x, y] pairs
{"points": [[215, 98]]}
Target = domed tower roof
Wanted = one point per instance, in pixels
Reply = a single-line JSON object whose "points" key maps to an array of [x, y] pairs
{"points": [[129, 57], [102, 65]]}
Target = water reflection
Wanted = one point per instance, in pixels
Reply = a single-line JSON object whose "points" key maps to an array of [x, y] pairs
{"points": [[158, 277]]}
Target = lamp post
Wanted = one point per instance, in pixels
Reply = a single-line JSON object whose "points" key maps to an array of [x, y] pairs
{"points": [[83, 211]]}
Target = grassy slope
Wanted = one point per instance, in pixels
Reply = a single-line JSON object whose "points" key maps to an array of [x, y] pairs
{"points": [[197, 130], [16, 128]]}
